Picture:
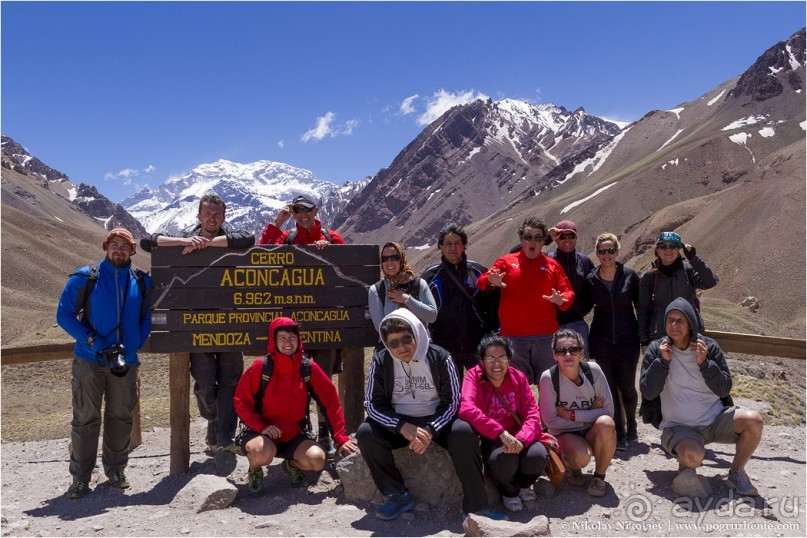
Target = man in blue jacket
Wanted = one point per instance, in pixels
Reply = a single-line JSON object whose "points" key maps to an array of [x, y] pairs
{"points": [[105, 307]]}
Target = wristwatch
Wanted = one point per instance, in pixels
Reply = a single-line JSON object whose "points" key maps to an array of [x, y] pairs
{"points": [[90, 339], [571, 417]]}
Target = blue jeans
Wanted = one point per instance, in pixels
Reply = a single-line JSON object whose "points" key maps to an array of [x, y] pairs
{"points": [[532, 355], [581, 327]]}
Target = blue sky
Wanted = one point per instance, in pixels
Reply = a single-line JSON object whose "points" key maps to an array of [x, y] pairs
{"points": [[124, 94]]}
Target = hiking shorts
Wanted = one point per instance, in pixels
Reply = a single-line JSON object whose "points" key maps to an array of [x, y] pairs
{"points": [[721, 430], [285, 450]]}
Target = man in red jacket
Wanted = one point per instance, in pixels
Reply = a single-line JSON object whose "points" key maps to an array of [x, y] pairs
{"points": [[533, 288], [276, 430], [308, 231]]}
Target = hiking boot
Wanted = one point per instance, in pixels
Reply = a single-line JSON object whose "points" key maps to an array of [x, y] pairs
{"points": [[633, 433], [77, 490], [296, 474], [739, 482], [512, 504], [118, 480], [490, 514], [326, 442], [621, 442], [396, 504], [255, 482], [596, 488], [576, 478], [234, 448], [527, 494]]}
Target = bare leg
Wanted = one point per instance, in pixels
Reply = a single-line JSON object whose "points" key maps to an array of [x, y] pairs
{"points": [[602, 438], [260, 451], [690, 453], [748, 425], [308, 457], [575, 450]]}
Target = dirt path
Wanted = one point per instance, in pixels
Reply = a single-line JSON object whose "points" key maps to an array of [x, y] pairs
{"points": [[639, 501]]}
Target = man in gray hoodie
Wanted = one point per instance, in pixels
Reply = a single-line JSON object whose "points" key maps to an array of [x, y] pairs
{"points": [[688, 373]]}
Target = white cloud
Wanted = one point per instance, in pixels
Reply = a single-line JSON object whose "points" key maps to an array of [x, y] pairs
{"points": [[149, 169], [281, 143], [443, 100], [322, 129], [347, 130], [406, 105], [125, 173]]}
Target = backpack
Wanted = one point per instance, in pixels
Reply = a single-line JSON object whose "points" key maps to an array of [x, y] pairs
{"points": [[554, 373], [83, 299], [268, 368], [412, 288], [293, 235]]}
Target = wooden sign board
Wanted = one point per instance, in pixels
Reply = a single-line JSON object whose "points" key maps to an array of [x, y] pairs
{"points": [[224, 299]]}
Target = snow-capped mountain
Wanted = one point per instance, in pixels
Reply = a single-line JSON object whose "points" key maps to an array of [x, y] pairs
{"points": [[470, 162], [253, 192]]}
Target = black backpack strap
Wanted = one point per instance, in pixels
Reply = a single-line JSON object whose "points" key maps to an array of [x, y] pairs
{"points": [[554, 373], [83, 297], [145, 293], [327, 235], [266, 374], [587, 372], [379, 290], [291, 237]]}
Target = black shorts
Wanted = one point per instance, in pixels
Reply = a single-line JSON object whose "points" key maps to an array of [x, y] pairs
{"points": [[284, 450]]}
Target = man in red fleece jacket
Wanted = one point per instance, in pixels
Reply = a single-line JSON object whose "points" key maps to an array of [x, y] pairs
{"points": [[533, 288]]}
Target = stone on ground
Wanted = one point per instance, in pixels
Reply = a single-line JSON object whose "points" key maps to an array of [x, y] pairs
{"points": [[475, 525], [205, 492]]}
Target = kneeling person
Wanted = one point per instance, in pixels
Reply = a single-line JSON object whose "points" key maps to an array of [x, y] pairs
{"points": [[412, 399], [275, 422], [690, 376], [579, 412]]}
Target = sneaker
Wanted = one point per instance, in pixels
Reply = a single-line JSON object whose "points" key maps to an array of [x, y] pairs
{"points": [[118, 480], [596, 488], [740, 483], [77, 490], [576, 478], [234, 448], [396, 504], [527, 494], [621, 442], [255, 481], [296, 474], [326, 442], [211, 449], [633, 433], [490, 514], [512, 504]]}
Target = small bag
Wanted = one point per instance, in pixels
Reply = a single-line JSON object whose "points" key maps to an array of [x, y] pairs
{"points": [[555, 469]]}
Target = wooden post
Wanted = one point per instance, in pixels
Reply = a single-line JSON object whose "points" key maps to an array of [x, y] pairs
{"points": [[137, 436], [351, 387], [179, 385]]}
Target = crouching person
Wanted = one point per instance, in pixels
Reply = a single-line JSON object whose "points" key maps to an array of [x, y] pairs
{"points": [[498, 403], [577, 408], [275, 417], [412, 400], [687, 372]]}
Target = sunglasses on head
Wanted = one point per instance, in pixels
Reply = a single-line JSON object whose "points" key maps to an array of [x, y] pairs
{"points": [[602, 251], [391, 258], [528, 237], [667, 246], [302, 209], [567, 236], [398, 342], [571, 350]]}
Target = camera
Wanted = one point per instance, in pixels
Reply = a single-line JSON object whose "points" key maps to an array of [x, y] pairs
{"points": [[115, 358]]}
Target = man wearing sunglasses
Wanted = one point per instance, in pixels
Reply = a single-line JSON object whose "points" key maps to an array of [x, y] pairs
{"points": [[308, 230], [577, 266], [412, 400], [533, 288]]}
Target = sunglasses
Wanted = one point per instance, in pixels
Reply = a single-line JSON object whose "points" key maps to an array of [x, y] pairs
{"points": [[667, 246], [567, 236], [302, 209], [563, 351], [491, 360], [391, 258], [602, 251], [398, 342], [528, 237]]}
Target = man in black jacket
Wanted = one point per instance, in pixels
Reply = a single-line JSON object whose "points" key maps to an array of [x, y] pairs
{"points": [[215, 374], [464, 314], [412, 399]]}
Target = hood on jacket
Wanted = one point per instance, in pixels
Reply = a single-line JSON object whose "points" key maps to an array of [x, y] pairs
{"points": [[274, 326], [683, 306], [418, 330]]}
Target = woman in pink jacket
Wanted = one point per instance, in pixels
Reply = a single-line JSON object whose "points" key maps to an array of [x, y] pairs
{"points": [[498, 402]]}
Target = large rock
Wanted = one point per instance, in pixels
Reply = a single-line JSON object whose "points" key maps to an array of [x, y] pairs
{"points": [[205, 492], [689, 484], [475, 525], [430, 477]]}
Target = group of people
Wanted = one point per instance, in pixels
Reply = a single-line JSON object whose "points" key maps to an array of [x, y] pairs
{"points": [[518, 324]]}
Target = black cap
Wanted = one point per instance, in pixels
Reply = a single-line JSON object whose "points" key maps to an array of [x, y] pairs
{"points": [[303, 201]]}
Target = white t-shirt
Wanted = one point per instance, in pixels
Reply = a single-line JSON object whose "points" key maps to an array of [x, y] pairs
{"points": [[414, 393], [686, 399]]}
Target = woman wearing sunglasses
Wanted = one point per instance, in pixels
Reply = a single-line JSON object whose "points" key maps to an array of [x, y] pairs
{"points": [[668, 278], [614, 335], [577, 408], [399, 288], [498, 403]]}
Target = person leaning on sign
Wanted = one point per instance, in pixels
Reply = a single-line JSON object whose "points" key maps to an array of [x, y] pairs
{"points": [[105, 307], [276, 430], [308, 230], [687, 380], [215, 374]]}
